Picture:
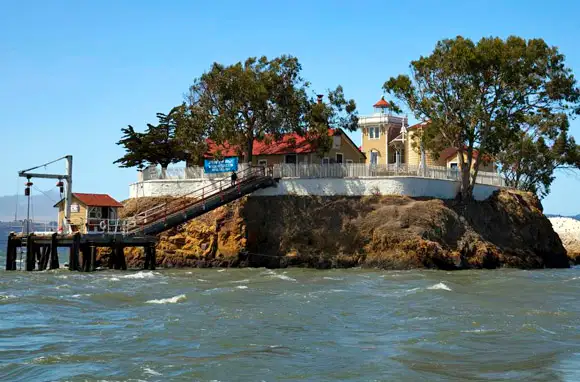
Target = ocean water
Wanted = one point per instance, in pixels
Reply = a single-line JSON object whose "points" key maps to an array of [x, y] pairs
{"points": [[290, 325]]}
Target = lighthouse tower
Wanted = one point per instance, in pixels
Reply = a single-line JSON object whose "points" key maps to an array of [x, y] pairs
{"points": [[381, 130]]}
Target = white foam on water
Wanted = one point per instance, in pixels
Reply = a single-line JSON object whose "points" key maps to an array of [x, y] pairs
{"points": [[240, 281], [281, 276], [332, 278], [221, 270], [150, 371], [171, 300], [440, 286], [80, 295], [140, 275], [114, 279], [188, 273], [241, 287], [202, 280], [6, 296], [478, 331]]}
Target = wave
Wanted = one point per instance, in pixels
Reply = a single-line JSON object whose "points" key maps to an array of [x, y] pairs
{"points": [[171, 300], [140, 275], [332, 278], [241, 287], [440, 286], [150, 371]]}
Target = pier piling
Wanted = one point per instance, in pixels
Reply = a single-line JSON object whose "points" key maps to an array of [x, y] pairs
{"points": [[30, 253], [54, 252]]}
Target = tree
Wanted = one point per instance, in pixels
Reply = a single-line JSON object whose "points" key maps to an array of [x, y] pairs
{"points": [[337, 112], [191, 132], [479, 96], [530, 161], [263, 99], [157, 145]]}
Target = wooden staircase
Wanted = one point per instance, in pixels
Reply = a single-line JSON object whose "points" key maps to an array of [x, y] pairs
{"points": [[180, 210]]}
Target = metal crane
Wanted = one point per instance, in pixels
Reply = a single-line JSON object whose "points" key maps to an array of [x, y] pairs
{"points": [[67, 188]]}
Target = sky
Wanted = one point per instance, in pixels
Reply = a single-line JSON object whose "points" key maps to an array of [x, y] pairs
{"points": [[73, 73]]}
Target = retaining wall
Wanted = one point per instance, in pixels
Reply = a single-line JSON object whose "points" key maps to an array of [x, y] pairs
{"points": [[392, 185]]}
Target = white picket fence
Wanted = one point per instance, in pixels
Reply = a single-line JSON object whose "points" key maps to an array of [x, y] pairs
{"points": [[333, 170]]}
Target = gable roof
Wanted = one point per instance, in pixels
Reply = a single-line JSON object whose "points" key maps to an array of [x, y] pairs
{"points": [[94, 200], [291, 143]]}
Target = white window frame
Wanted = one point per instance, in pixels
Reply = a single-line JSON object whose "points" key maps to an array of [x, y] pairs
{"points": [[327, 159], [286, 158], [264, 162], [377, 129], [336, 158]]}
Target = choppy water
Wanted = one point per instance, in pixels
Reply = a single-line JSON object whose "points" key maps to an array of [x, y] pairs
{"points": [[258, 324]]}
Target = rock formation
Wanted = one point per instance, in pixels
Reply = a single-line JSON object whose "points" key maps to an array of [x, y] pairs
{"points": [[390, 232]]}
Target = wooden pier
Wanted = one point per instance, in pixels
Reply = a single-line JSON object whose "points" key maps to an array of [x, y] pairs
{"points": [[42, 250]]}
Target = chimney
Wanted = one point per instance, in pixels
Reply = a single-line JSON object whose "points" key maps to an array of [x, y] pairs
{"points": [[319, 96]]}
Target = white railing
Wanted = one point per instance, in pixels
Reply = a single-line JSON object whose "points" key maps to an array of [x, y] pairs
{"points": [[332, 170], [356, 170], [194, 172]]}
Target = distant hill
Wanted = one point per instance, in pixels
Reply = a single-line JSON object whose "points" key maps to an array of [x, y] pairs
{"points": [[577, 217], [41, 206]]}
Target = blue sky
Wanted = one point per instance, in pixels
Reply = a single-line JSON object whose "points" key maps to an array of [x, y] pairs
{"points": [[73, 73]]}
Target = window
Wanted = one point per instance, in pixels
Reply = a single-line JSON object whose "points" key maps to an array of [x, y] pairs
{"points": [[453, 166], [291, 159], [262, 162], [349, 161], [374, 157], [374, 133], [338, 158], [325, 160]]}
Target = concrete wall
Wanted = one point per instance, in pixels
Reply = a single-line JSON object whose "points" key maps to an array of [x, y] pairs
{"points": [[403, 185]]}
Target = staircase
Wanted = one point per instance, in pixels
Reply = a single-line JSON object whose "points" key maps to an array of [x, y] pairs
{"points": [[180, 210]]}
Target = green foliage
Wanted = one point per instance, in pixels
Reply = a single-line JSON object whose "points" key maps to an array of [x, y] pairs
{"points": [[157, 145], [263, 99], [530, 161], [481, 96]]}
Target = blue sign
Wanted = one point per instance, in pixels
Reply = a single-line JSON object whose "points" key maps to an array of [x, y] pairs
{"points": [[224, 165]]}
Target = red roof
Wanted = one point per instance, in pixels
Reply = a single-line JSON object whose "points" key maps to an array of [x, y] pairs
{"points": [[97, 200], [382, 103], [291, 143]]}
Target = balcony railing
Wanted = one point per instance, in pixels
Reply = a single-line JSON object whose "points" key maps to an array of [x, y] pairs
{"points": [[332, 170]]}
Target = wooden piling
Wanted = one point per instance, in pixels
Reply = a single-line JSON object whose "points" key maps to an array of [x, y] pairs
{"points": [[120, 262], [10, 254], [147, 250], [93, 258], [73, 263], [30, 253], [54, 264], [153, 260], [44, 254], [87, 250]]}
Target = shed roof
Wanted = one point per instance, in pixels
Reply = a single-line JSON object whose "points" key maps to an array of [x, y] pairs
{"points": [[95, 200]]}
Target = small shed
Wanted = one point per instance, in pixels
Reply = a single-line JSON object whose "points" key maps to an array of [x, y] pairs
{"points": [[90, 212]]}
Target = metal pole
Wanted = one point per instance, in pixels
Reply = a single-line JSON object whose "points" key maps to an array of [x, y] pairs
{"points": [[28, 216], [68, 194]]}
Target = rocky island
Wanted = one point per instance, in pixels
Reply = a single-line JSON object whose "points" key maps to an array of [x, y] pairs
{"points": [[508, 229]]}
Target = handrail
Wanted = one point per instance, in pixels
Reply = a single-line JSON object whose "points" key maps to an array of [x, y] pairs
{"points": [[174, 206]]}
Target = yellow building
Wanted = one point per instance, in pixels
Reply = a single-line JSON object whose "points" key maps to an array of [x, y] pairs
{"points": [[89, 212], [387, 139]]}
